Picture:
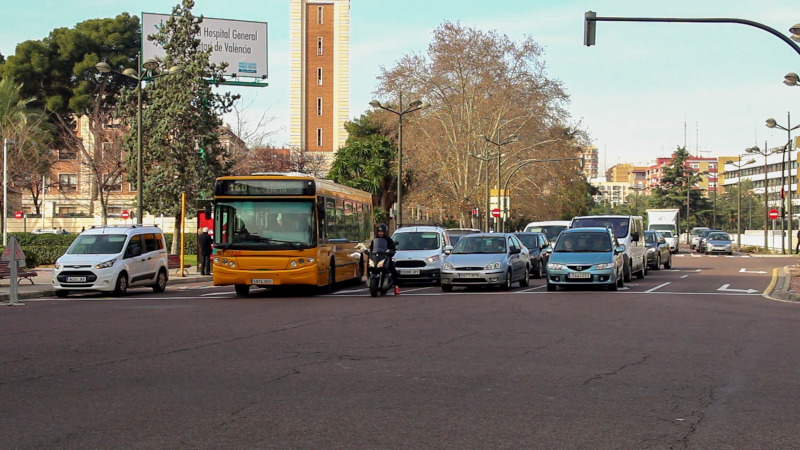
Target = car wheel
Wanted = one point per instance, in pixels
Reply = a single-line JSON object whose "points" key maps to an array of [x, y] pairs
{"points": [[730, 252], [613, 286], [524, 281], [668, 263], [242, 290], [658, 262], [62, 294], [626, 272], [509, 280], [551, 287], [161, 281], [447, 287], [538, 273], [640, 274], [121, 288]]}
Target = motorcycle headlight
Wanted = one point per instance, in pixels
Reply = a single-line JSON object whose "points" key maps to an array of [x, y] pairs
{"points": [[447, 266], [433, 258], [371, 263], [605, 266], [105, 264], [380, 263], [555, 266], [494, 265]]}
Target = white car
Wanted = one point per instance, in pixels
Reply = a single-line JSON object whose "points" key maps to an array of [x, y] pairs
{"points": [[420, 251], [111, 259]]}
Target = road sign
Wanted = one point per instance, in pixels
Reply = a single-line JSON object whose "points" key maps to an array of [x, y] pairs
{"points": [[18, 214], [496, 212], [774, 214], [125, 214]]}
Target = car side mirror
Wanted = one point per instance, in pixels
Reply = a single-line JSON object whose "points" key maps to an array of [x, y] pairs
{"points": [[635, 237], [620, 249], [515, 250]]}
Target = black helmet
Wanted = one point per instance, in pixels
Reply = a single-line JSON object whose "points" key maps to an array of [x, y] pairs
{"points": [[383, 227]]}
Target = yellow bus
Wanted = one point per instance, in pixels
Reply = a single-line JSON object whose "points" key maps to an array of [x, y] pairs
{"points": [[288, 229]]}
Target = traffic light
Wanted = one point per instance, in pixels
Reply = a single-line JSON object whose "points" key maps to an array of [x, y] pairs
{"points": [[589, 28], [475, 212], [203, 153]]}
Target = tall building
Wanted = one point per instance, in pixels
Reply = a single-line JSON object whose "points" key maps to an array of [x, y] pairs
{"points": [[319, 74], [590, 157]]}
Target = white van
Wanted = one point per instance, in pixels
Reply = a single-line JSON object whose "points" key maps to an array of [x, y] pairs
{"points": [[420, 251], [629, 231], [550, 228], [111, 259]]}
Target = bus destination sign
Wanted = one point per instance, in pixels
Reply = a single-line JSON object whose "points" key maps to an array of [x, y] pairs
{"points": [[265, 187]]}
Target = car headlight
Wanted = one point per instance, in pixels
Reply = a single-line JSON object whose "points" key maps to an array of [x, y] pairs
{"points": [[605, 266], [651, 250], [105, 264], [494, 265], [433, 258], [447, 266], [555, 266], [57, 265]]}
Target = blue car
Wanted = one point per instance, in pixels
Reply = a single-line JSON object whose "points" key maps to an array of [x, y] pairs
{"points": [[586, 257]]}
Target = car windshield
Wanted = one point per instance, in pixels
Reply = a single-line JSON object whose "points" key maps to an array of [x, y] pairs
{"points": [[529, 240], [97, 244], [618, 224], [480, 244], [583, 242], [719, 237], [650, 238], [666, 234], [551, 231], [416, 240]]}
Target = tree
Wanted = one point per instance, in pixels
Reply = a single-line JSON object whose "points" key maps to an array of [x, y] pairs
{"points": [[59, 72], [480, 84], [181, 120], [678, 183]]}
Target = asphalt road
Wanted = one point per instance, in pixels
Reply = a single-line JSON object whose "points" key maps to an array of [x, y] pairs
{"points": [[693, 357]]}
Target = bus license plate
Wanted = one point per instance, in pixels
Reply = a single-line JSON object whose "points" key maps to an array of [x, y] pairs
{"points": [[469, 275], [76, 279], [409, 272], [580, 275], [261, 281]]}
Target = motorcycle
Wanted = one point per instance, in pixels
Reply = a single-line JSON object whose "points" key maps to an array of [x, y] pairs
{"points": [[379, 278]]}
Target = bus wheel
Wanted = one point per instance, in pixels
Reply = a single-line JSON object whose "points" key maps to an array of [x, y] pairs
{"points": [[242, 290], [331, 276]]}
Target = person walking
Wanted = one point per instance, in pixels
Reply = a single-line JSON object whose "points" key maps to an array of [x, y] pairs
{"points": [[797, 247], [204, 243]]}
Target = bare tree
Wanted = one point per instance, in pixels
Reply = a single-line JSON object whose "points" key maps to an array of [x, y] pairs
{"points": [[483, 87]]}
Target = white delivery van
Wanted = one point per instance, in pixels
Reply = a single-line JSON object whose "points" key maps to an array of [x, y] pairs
{"points": [[629, 231], [420, 251], [550, 228], [111, 259]]}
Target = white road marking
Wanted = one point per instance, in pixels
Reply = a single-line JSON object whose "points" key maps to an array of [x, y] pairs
{"points": [[725, 288], [684, 276], [657, 287], [743, 270]]}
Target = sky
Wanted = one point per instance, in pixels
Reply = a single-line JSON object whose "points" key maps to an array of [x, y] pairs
{"points": [[643, 90]]}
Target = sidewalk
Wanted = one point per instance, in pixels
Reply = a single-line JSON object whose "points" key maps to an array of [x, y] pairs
{"points": [[43, 284]]}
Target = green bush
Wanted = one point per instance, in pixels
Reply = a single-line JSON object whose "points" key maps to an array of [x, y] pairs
{"points": [[189, 241]]}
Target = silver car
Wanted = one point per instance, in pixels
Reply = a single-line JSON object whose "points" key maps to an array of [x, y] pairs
{"points": [[486, 259]]}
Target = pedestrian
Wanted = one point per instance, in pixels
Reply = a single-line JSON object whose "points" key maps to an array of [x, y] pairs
{"points": [[797, 247], [204, 243]]}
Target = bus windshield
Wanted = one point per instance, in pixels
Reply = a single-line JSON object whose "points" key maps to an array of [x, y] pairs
{"points": [[273, 224]]}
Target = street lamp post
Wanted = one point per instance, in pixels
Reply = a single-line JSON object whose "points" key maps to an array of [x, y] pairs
{"points": [[739, 166], [416, 105], [499, 143], [771, 123], [149, 66], [765, 152], [485, 158], [5, 189]]}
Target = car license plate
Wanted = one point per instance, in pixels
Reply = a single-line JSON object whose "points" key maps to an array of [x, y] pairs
{"points": [[76, 279], [261, 281], [409, 272], [469, 275], [580, 275]]}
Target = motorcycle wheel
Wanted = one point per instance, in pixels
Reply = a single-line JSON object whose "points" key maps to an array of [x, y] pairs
{"points": [[373, 287]]}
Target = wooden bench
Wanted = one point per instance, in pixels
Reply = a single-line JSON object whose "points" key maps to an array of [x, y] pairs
{"points": [[28, 274], [174, 262]]}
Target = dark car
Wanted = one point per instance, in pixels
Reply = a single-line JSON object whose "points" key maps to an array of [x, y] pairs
{"points": [[539, 248], [701, 243], [457, 233], [658, 252]]}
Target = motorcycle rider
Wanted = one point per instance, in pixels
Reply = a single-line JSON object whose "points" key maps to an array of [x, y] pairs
{"points": [[382, 232]]}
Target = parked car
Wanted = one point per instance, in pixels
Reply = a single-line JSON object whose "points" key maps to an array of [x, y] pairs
{"points": [[46, 231], [701, 243], [486, 259], [419, 255], [457, 233], [539, 249], [586, 257], [718, 241], [111, 259], [696, 234], [628, 231], [658, 252]]}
